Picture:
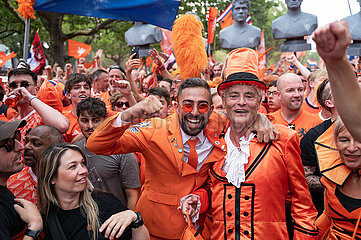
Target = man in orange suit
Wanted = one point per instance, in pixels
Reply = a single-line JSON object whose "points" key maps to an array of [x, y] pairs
{"points": [[169, 147], [247, 189]]}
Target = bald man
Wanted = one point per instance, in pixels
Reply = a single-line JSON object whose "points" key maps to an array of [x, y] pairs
{"points": [[291, 94], [23, 184]]}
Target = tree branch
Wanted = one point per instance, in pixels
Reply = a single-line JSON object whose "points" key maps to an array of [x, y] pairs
{"points": [[8, 4], [103, 25]]}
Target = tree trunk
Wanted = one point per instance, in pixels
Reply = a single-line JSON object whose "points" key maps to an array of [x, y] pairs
{"points": [[53, 24]]}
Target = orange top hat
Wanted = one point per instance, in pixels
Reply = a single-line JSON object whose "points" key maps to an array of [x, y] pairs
{"points": [[242, 68]]}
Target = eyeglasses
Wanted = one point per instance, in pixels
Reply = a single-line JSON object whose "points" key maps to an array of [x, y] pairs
{"points": [[271, 93], [121, 104], [9, 143], [14, 85], [188, 107]]}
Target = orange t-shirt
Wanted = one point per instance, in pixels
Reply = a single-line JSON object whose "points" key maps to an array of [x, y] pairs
{"points": [[74, 129], [262, 109], [23, 185], [309, 108], [68, 108], [105, 97], [301, 124], [10, 113], [33, 120]]}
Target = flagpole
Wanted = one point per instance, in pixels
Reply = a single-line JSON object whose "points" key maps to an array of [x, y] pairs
{"points": [[26, 39]]}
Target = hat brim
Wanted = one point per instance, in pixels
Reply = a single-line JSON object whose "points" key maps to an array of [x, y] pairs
{"points": [[241, 79], [8, 128]]}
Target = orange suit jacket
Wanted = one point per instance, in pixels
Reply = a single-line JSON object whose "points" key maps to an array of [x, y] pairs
{"points": [[167, 177], [256, 210]]}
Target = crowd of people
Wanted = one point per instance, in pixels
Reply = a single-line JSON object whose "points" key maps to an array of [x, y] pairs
{"points": [[121, 154]]}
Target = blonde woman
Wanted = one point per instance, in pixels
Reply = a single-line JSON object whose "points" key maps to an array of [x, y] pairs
{"points": [[342, 181], [71, 210]]}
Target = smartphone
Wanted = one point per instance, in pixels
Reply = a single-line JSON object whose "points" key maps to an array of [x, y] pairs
{"points": [[136, 51]]}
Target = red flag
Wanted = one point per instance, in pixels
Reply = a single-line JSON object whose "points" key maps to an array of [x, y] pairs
{"points": [[78, 49], [212, 20], [36, 58], [4, 58]]}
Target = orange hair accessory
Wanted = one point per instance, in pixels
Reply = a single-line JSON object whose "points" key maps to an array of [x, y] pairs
{"points": [[189, 47], [26, 8]]}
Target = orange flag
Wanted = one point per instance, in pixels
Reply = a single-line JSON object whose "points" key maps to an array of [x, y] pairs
{"points": [[4, 58], [225, 19], [78, 49], [212, 20], [88, 65]]}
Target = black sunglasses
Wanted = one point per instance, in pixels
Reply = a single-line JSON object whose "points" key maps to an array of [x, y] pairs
{"points": [[14, 85], [9, 143], [121, 104]]}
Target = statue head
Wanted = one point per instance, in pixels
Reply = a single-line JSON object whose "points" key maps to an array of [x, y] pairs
{"points": [[240, 10], [293, 4]]}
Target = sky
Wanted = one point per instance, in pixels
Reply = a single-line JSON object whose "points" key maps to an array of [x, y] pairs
{"points": [[328, 11]]}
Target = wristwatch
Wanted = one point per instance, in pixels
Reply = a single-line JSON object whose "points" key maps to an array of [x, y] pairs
{"points": [[32, 233], [137, 223]]}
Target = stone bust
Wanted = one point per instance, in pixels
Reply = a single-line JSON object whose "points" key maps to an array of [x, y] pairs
{"points": [[294, 23], [354, 23], [240, 34], [143, 34]]}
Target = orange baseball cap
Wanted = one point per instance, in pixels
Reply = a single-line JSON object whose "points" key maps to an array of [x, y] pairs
{"points": [[242, 68]]}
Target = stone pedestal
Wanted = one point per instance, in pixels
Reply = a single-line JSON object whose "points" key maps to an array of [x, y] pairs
{"points": [[295, 45], [355, 48]]}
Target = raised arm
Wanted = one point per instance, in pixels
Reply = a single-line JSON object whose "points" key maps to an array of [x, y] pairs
{"points": [[130, 65], [49, 115], [112, 136], [292, 59], [156, 59], [332, 41], [124, 88]]}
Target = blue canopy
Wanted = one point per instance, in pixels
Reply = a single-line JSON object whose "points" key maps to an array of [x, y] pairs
{"points": [[161, 13]]}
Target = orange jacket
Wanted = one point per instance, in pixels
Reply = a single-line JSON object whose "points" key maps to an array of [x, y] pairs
{"points": [[167, 177], [257, 209], [336, 222]]}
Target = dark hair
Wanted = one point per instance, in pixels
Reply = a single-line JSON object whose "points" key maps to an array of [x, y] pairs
{"points": [[76, 78], [194, 82], [22, 71], [273, 84], [93, 106], [119, 68], [161, 92], [2, 93], [97, 73], [323, 94]]}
